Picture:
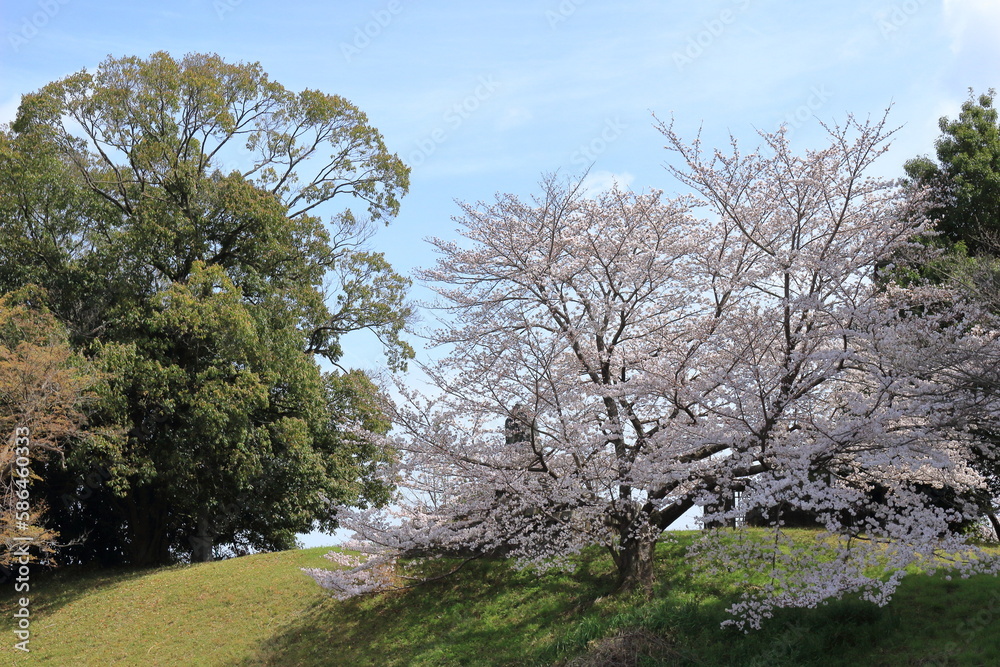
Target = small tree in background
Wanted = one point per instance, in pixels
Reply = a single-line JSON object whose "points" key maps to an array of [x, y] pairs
{"points": [[43, 387]]}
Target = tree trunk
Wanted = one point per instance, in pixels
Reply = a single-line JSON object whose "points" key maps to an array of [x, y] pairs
{"points": [[148, 544], [725, 504], [635, 553], [634, 558], [995, 523], [202, 543]]}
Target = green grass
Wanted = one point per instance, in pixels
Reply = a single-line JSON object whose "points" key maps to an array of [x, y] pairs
{"points": [[261, 610]]}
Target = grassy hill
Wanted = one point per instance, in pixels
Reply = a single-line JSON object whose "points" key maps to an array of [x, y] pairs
{"points": [[261, 610]]}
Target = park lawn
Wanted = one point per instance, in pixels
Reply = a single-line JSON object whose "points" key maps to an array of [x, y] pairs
{"points": [[262, 610]]}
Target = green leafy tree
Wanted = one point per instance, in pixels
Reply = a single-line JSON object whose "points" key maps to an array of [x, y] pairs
{"points": [[964, 185], [179, 214], [965, 179]]}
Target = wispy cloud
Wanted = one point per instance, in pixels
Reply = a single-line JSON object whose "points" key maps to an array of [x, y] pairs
{"points": [[973, 24], [598, 182]]}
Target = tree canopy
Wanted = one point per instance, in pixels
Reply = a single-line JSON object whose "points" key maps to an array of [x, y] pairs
{"points": [[178, 213], [668, 360], [965, 179]]}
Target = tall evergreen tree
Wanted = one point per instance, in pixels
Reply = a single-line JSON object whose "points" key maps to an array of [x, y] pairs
{"points": [[965, 179]]}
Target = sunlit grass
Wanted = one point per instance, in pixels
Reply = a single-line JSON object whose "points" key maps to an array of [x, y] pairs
{"points": [[262, 610]]}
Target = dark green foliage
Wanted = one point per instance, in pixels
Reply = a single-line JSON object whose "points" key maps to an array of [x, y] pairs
{"points": [[965, 179], [207, 289]]}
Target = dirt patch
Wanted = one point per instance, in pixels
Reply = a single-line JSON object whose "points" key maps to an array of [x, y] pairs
{"points": [[624, 650]]}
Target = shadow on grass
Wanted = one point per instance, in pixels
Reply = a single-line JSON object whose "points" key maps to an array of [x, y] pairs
{"points": [[491, 614], [52, 589]]}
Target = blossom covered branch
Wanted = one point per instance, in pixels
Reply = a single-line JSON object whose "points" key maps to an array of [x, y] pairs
{"points": [[678, 353]]}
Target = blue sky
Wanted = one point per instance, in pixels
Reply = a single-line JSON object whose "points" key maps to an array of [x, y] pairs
{"points": [[485, 97]]}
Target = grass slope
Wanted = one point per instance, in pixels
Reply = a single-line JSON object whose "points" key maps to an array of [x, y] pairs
{"points": [[261, 610]]}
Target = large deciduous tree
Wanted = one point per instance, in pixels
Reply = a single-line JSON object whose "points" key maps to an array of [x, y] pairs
{"points": [[178, 212], [662, 361]]}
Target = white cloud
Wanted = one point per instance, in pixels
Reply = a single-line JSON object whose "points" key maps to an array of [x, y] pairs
{"points": [[973, 24], [514, 117], [597, 182]]}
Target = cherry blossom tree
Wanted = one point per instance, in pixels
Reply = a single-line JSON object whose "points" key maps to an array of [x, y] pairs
{"points": [[654, 355]]}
